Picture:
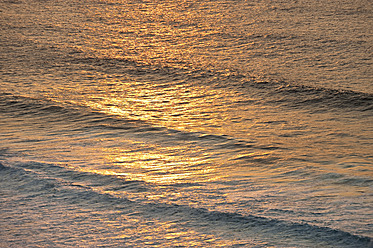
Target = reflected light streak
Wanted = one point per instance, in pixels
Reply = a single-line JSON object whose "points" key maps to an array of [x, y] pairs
{"points": [[158, 166]]}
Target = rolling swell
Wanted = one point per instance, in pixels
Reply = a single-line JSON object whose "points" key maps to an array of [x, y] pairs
{"points": [[323, 98], [267, 92], [76, 188], [272, 91], [76, 119]]}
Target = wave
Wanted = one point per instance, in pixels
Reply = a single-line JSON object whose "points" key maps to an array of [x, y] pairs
{"points": [[78, 118], [272, 91], [266, 91], [83, 189], [324, 98]]}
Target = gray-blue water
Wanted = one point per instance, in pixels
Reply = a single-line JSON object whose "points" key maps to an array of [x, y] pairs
{"points": [[186, 123]]}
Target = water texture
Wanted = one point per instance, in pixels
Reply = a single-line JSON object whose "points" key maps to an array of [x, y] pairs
{"points": [[186, 123]]}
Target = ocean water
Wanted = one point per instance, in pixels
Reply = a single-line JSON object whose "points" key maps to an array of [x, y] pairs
{"points": [[186, 123]]}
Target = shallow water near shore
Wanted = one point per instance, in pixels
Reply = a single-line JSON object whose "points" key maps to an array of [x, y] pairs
{"points": [[186, 123]]}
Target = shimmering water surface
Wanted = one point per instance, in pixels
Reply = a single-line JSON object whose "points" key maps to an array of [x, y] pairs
{"points": [[186, 123]]}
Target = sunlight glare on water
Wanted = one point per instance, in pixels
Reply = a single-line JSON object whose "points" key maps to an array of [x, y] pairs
{"points": [[186, 123]]}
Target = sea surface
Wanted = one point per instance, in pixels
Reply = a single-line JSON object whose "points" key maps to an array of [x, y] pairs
{"points": [[186, 123]]}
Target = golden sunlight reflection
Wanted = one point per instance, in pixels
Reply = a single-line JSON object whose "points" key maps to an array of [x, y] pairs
{"points": [[157, 165], [131, 86], [172, 105], [174, 235]]}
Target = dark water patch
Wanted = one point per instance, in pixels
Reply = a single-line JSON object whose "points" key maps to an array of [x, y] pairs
{"points": [[2, 167], [272, 226], [83, 179], [358, 182], [37, 180], [12, 2], [323, 98], [21, 105], [310, 97]]}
